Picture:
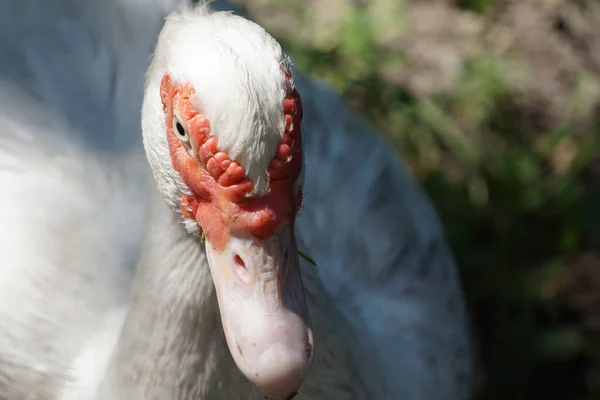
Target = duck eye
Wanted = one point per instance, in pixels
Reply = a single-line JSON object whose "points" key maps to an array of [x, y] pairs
{"points": [[180, 130]]}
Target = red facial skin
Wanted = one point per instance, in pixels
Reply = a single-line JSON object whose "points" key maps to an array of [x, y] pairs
{"points": [[220, 202]]}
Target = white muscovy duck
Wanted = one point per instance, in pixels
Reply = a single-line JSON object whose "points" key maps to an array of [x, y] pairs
{"points": [[106, 289]]}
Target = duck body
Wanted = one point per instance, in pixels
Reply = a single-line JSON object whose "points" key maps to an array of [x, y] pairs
{"points": [[81, 216]]}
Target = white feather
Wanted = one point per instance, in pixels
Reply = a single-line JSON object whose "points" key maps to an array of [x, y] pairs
{"points": [[388, 312], [235, 68]]}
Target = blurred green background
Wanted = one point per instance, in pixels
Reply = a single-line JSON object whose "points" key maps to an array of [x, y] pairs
{"points": [[495, 107]]}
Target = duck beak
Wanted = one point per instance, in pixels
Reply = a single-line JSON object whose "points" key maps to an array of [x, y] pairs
{"points": [[263, 309]]}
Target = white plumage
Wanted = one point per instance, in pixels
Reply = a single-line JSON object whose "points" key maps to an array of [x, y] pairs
{"points": [[221, 55], [386, 305]]}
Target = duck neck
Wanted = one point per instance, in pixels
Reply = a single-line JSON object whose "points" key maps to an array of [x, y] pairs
{"points": [[172, 330]]}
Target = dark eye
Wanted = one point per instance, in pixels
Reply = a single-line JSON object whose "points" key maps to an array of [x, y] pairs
{"points": [[180, 130]]}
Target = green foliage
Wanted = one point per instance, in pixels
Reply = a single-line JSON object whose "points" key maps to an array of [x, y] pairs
{"points": [[307, 258], [473, 5]]}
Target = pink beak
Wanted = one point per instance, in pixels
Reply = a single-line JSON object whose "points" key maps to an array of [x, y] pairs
{"points": [[263, 310]]}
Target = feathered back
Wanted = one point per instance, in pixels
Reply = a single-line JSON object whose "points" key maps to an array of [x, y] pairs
{"points": [[381, 255], [84, 58], [72, 176]]}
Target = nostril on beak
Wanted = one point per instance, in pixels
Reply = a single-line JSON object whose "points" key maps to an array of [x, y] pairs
{"points": [[239, 262], [240, 268]]}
